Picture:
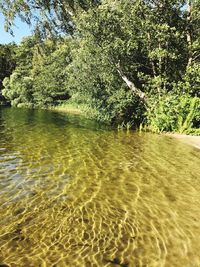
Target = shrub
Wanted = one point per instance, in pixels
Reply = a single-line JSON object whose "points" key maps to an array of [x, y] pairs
{"points": [[174, 113]]}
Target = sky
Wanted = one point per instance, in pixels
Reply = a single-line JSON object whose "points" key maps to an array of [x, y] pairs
{"points": [[20, 30]]}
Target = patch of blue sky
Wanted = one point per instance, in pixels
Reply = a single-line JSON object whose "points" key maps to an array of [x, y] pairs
{"points": [[20, 30]]}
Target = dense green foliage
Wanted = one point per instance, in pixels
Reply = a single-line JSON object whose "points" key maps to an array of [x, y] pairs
{"points": [[39, 77], [174, 113], [129, 62], [7, 64]]}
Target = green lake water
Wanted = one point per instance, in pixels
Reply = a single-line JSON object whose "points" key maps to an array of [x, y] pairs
{"points": [[73, 193]]}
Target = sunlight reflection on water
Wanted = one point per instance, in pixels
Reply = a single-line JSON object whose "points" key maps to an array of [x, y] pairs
{"points": [[75, 194]]}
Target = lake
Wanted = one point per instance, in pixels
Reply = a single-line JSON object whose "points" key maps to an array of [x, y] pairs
{"points": [[74, 193]]}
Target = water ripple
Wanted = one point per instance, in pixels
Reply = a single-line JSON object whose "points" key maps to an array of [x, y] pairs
{"points": [[72, 195]]}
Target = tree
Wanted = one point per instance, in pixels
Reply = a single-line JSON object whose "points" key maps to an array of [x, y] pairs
{"points": [[7, 63], [39, 76], [55, 16], [18, 87], [123, 57], [50, 75]]}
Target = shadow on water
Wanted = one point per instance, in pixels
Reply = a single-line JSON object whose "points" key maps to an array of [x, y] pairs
{"points": [[73, 193]]}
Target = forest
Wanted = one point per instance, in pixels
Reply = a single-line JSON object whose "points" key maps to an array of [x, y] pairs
{"points": [[129, 63]]}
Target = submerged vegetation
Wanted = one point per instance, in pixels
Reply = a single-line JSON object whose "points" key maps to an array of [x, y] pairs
{"points": [[129, 63]]}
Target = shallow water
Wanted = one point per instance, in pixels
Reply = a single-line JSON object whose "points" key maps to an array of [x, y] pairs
{"points": [[75, 194]]}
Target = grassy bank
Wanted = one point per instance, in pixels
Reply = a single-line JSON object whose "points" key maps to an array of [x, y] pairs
{"points": [[69, 108]]}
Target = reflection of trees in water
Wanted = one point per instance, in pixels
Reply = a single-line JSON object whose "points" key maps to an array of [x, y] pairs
{"points": [[5, 137], [35, 129], [1, 121]]}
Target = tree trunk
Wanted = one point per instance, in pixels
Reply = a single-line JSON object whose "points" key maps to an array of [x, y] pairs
{"points": [[189, 33], [151, 61], [130, 84]]}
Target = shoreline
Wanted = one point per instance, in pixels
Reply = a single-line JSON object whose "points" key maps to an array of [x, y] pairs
{"points": [[67, 109], [192, 140]]}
